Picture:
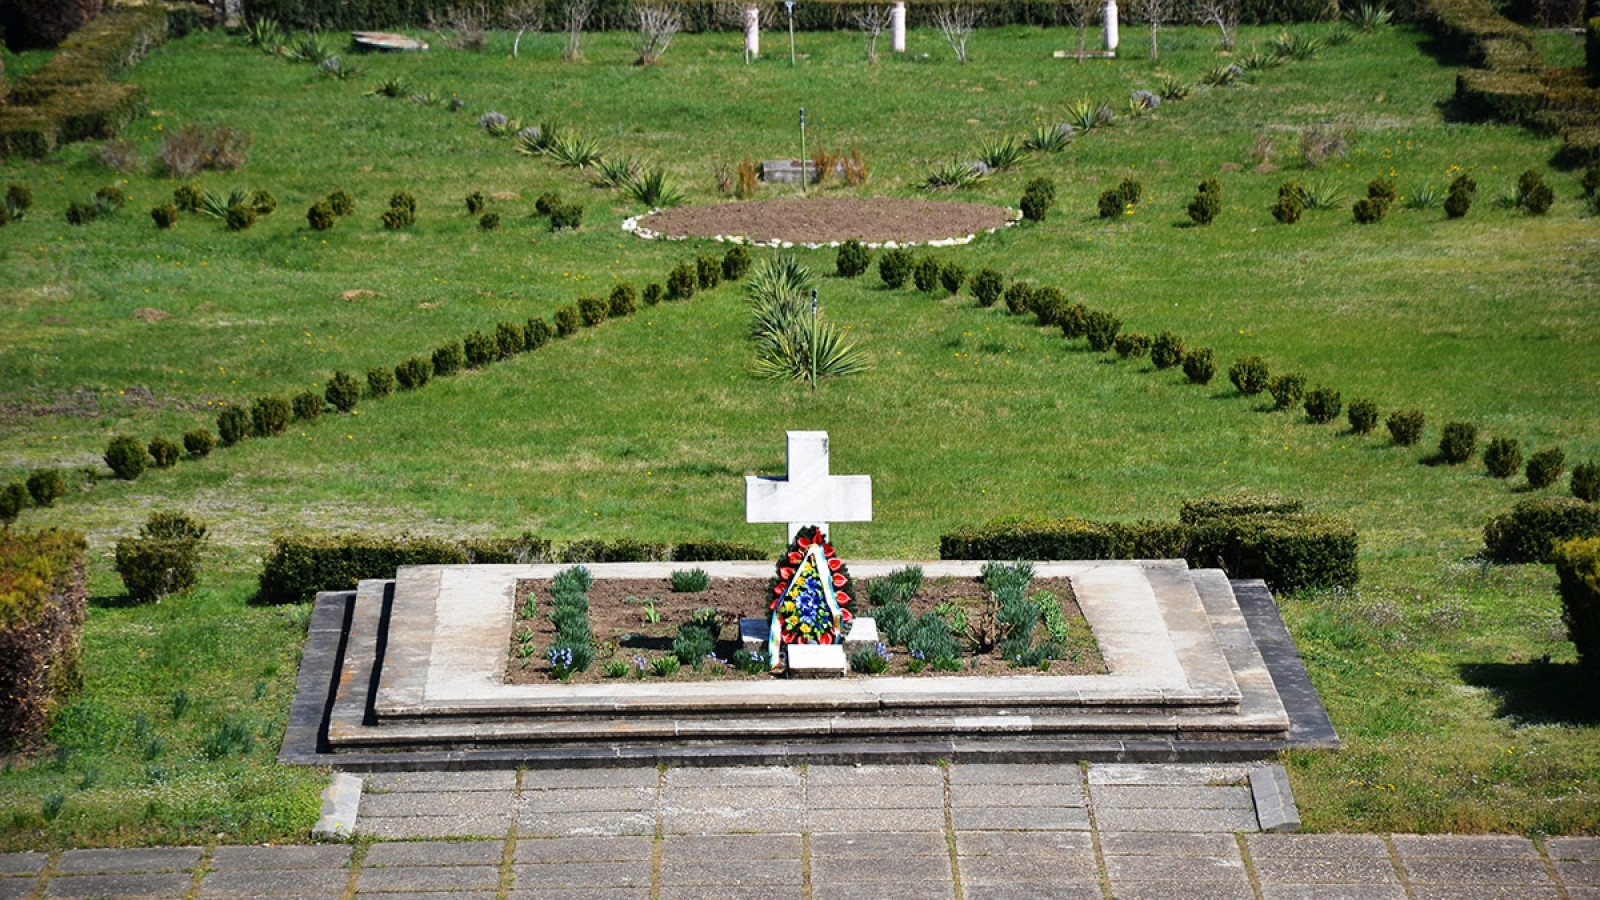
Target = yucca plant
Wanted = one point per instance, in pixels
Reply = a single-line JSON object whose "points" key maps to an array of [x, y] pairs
{"points": [[573, 151], [427, 98], [1081, 114], [952, 175], [1426, 196], [394, 88], [1368, 17], [216, 205], [1322, 195], [618, 172], [1222, 76], [653, 189], [1293, 45], [336, 67], [1172, 89], [265, 35], [311, 47], [1050, 138], [538, 141], [1255, 60], [1002, 154], [813, 351], [793, 341]]}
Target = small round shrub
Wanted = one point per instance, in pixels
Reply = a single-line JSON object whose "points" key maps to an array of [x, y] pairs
{"points": [[567, 321], [476, 203], [1131, 345], [926, 274], [682, 281], [165, 216], [894, 267], [13, 500], [1405, 426], [1362, 415], [187, 197], [263, 202], [480, 350], [1286, 389], [1369, 210], [81, 213], [413, 373], [1322, 405], [1545, 467], [548, 203], [163, 559], [1049, 304], [380, 381], [233, 425], [1130, 190], [1073, 320], [1288, 209], [1382, 189], [653, 293], [449, 359], [199, 443], [566, 217], [1100, 330], [403, 200], [987, 286], [1249, 375], [127, 457], [396, 218], [1533, 194], [164, 452], [1037, 198], [343, 392], [708, 272], [307, 406], [1586, 482], [1502, 457], [341, 203], [1166, 351], [1458, 199], [1529, 532], [489, 221], [1110, 204], [853, 259], [1199, 365], [1207, 202], [736, 263], [1019, 298], [624, 301], [321, 216], [45, 486], [1458, 442], [951, 277], [593, 310], [270, 415], [511, 338], [110, 198], [240, 216], [539, 333]]}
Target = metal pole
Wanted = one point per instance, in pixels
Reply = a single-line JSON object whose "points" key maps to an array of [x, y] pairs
{"points": [[816, 314], [790, 5], [803, 157]]}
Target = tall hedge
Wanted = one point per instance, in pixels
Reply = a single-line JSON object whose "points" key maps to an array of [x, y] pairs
{"points": [[1529, 532], [43, 606], [1578, 567], [297, 567]]}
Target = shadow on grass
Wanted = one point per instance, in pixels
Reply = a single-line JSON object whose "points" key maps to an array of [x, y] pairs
{"points": [[114, 601], [1539, 692]]}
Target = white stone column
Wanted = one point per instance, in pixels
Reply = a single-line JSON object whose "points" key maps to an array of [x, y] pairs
{"points": [[752, 31], [1111, 27], [897, 26]]}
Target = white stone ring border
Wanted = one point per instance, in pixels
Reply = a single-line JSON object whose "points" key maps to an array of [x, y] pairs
{"points": [[631, 224]]}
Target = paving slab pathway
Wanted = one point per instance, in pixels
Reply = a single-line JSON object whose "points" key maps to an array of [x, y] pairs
{"points": [[962, 831]]}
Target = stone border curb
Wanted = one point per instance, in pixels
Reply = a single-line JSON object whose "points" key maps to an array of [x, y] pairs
{"points": [[1275, 809], [631, 225], [340, 803]]}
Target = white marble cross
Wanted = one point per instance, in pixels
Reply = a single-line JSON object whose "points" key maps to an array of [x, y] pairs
{"points": [[808, 495]]}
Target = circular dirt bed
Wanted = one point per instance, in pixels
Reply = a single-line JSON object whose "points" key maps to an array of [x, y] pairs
{"points": [[828, 220]]}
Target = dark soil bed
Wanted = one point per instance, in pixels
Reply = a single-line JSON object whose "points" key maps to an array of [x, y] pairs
{"points": [[827, 219], [622, 630]]}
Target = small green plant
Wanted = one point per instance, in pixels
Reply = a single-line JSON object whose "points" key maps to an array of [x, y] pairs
{"points": [[1049, 138], [707, 272], [1207, 202], [926, 273], [1458, 198], [380, 381], [1458, 442], [1362, 415], [665, 666], [1199, 365], [654, 293], [567, 321], [894, 267], [1405, 427], [951, 277], [593, 311], [239, 217], [1001, 154], [1322, 405], [750, 663], [413, 373], [270, 415], [476, 203], [1100, 330], [1286, 389], [682, 281], [343, 392], [952, 176], [13, 500], [45, 486], [199, 443], [1545, 467], [127, 457], [853, 259], [1166, 350], [1502, 457], [163, 559], [341, 203], [1534, 195], [1586, 482], [308, 406], [321, 216], [81, 213], [1250, 375], [736, 263], [233, 425], [489, 222], [1131, 345], [615, 668], [690, 581], [165, 216], [873, 660], [1019, 298], [1368, 17], [1037, 197], [653, 189], [164, 452], [987, 286]]}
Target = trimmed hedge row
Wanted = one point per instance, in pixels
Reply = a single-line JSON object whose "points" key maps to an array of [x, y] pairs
{"points": [[1578, 567], [1285, 547], [1530, 531], [71, 97], [43, 605], [299, 566]]}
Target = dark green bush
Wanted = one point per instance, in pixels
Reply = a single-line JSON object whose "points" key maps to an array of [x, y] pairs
{"points": [[1405, 426], [1199, 365], [233, 425], [1322, 405], [894, 267], [1249, 374], [476, 203], [164, 452], [548, 203], [690, 581], [1166, 351], [1207, 202], [1578, 568], [341, 203], [199, 443], [521, 550], [1100, 329], [240, 217], [1529, 531], [1545, 467], [926, 274], [1363, 416], [269, 415], [987, 286], [1502, 457], [163, 559], [1286, 389], [708, 272], [1289, 551], [343, 392], [1073, 320], [45, 486], [1110, 204], [653, 293], [592, 310], [448, 359], [1369, 210], [395, 218], [566, 217], [539, 333], [1458, 199], [13, 500], [567, 321], [1586, 482], [1382, 189], [624, 301], [307, 406], [321, 216], [951, 277], [1458, 442], [165, 216], [620, 550], [127, 457], [1534, 196], [682, 281], [736, 263], [297, 567], [1131, 345], [479, 350], [380, 382], [1049, 304], [711, 551], [1037, 198], [489, 221], [413, 373], [852, 260], [1019, 297], [1228, 506], [263, 202], [81, 213], [510, 338]]}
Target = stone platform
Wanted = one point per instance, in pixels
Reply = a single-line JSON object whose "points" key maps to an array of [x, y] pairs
{"points": [[409, 673]]}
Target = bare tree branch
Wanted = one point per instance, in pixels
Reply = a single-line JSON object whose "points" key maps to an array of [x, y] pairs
{"points": [[658, 23], [956, 22], [1222, 13], [1082, 14], [526, 16], [872, 21], [574, 15], [1154, 13]]}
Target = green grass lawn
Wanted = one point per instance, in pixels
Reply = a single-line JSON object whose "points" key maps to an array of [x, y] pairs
{"points": [[1447, 678]]}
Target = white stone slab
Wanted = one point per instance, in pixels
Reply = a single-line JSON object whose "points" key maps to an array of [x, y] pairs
{"points": [[815, 661], [808, 494], [753, 634], [863, 630]]}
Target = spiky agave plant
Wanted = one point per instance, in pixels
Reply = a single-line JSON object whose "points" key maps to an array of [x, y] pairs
{"points": [[1000, 155], [616, 171], [793, 341], [652, 189]]}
